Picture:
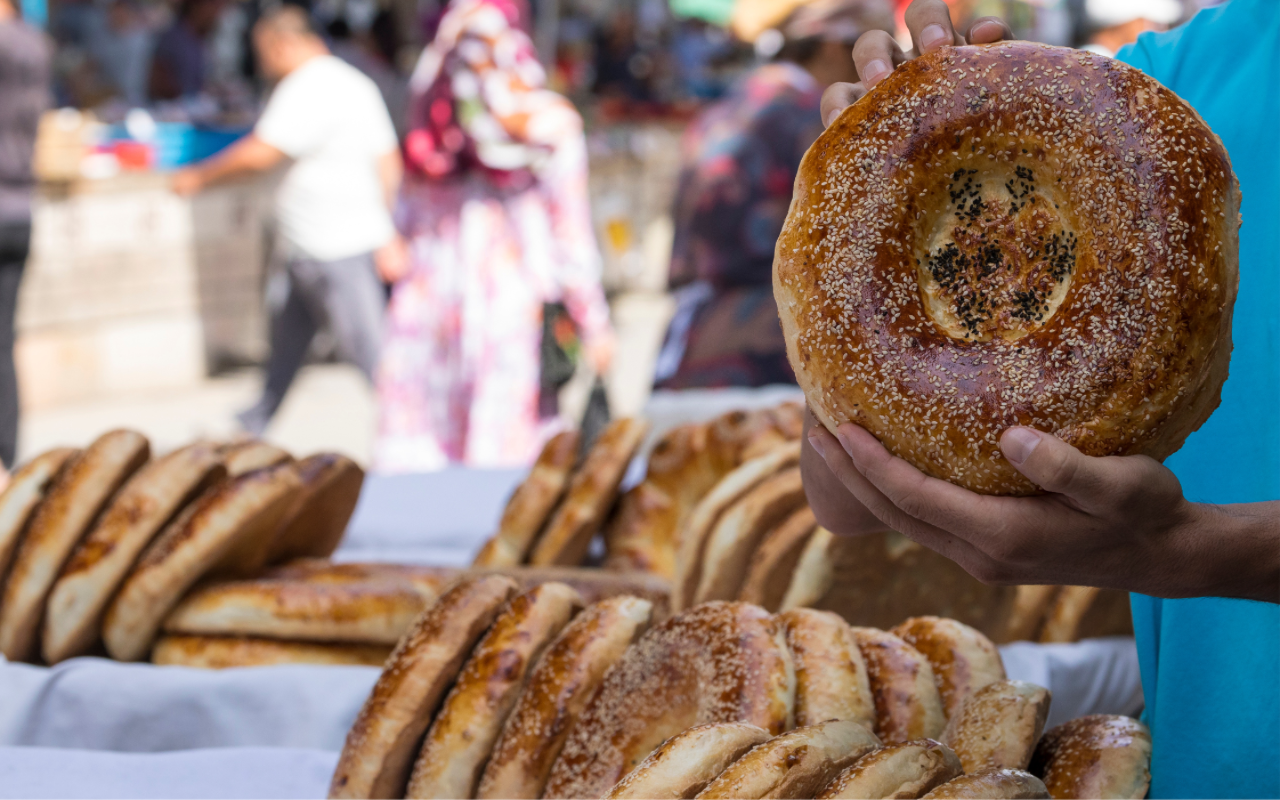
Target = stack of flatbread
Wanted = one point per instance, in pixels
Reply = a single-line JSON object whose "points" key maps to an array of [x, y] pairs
{"points": [[98, 545], [496, 692], [559, 508], [753, 537]]}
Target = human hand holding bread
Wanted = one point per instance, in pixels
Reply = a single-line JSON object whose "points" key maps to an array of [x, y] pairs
{"points": [[1117, 521]]}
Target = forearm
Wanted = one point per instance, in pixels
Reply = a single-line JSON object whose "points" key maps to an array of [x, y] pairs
{"points": [[1232, 551], [248, 155]]}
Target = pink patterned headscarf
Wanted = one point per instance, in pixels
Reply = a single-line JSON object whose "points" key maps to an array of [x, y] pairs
{"points": [[479, 96]]}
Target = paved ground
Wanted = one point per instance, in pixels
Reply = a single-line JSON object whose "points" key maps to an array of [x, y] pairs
{"points": [[329, 408]]}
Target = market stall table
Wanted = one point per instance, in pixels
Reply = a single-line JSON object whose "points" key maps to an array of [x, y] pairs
{"points": [[276, 729]]}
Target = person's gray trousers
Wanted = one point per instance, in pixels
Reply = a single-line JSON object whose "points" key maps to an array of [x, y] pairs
{"points": [[347, 297]]}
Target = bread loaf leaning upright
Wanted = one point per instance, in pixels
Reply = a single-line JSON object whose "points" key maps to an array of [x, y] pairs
{"points": [[378, 754], [144, 505], [18, 502], [591, 494], [564, 681], [531, 503], [246, 509], [69, 509], [461, 737]]}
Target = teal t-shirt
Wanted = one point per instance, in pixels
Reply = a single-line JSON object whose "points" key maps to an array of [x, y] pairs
{"points": [[1211, 667]]}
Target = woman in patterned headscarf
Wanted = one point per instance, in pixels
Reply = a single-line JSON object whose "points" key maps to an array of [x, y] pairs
{"points": [[495, 215], [740, 159]]}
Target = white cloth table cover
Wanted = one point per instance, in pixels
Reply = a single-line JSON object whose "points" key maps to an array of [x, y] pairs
{"points": [[225, 772]]}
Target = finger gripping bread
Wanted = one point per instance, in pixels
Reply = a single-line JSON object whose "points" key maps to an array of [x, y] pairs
{"points": [[461, 736], [378, 753]]}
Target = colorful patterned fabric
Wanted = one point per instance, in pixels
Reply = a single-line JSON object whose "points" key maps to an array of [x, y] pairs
{"points": [[495, 210], [741, 157]]}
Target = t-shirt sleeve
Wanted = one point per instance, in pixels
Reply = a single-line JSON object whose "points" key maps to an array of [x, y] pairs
{"points": [[382, 132], [291, 121]]}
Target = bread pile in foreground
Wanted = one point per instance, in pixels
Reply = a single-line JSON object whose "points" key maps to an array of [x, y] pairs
{"points": [[98, 545], [722, 514], [495, 692]]}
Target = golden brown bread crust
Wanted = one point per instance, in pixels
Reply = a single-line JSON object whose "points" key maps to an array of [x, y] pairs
{"points": [[590, 495], [963, 660], [1081, 612], [1012, 234], [223, 652], [703, 518], [773, 564], [72, 503], [831, 676], [1098, 756], [886, 577], [739, 531], [717, 662], [688, 761], [561, 685], [140, 510], [998, 727], [898, 771], [380, 747], [797, 764], [374, 611], [908, 705], [250, 455], [531, 503], [999, 784], [595, 584], [463, 732], [247, 508], [321, 571], [1029, 610], [681, 469], [26, 489], [314, 525]]}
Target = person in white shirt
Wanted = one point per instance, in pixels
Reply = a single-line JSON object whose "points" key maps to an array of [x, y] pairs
{"points": [[328, 122]]}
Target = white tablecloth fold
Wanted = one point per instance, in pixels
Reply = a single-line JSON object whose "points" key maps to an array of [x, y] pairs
{"points": [[227, 772]]}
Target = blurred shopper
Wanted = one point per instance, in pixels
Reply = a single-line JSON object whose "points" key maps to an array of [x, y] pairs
{"points": [[740, 159], [1112, 24], [24, 94], [496, 214], [178, 64], [333, 206]]}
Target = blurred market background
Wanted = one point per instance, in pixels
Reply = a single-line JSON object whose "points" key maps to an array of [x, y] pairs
{"points": [[145, 309]]}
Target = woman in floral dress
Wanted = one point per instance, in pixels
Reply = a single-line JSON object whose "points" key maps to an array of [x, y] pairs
{"points": [[495, 216]]}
